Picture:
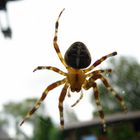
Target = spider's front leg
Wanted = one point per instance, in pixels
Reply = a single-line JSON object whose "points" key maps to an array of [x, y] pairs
{"points": [[60, 106], [98, 62], [50, 68], [55, 41], [38, 103]]}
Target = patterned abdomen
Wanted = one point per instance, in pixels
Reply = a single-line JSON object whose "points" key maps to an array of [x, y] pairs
{"points": [[78, 56]]}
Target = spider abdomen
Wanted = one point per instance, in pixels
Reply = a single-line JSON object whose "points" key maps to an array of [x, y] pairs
{"points": [[78, 56]]}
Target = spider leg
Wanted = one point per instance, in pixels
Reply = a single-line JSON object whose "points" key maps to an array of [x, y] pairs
{"points": [[99, 106], [60, 106], [91, 83], [99, 61], [38, 103], [98, 72], [120, 99], [55, 41], [50, 68], [78, 100], [108, 86], [69, 92]]}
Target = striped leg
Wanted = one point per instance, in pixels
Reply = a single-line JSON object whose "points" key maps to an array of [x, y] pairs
{"points": [[78, 100], [50, 68], [55, 41], [98, 72], [119, 98], [99, 106], [69, 95], [60, 106], [38, 103], [100, 61]]}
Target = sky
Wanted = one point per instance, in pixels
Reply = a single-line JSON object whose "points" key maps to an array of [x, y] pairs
{"points": [[104, 26]]}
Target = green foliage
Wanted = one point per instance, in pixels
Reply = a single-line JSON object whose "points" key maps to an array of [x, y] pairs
{"points": [[43, 128], [3, 122], [127, 78], [19, 109], [121, 132]]}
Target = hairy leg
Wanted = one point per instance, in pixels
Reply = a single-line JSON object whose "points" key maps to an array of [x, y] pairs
{"points": [[119, 98], [99, 61], [99, 106], [61, 99], [98, 72], [91, 83], [38, 103], [50, 68], [69, 95], [55, 41], [108, 86]]}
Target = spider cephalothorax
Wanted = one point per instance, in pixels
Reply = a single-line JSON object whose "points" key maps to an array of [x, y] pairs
{"points": [[78, 76]]}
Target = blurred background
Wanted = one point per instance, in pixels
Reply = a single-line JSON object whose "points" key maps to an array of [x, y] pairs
{"points": [[26, 41]]}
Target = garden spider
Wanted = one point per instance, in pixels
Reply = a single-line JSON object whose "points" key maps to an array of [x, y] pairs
{"points": [[76, 60]]}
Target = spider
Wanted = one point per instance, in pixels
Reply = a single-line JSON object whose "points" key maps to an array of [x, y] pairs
{"points": [[79, 76]]}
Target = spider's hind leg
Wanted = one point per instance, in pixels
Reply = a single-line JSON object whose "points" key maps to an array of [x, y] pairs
{"points": [[108, 86], [89, 84], [98, 103]]}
